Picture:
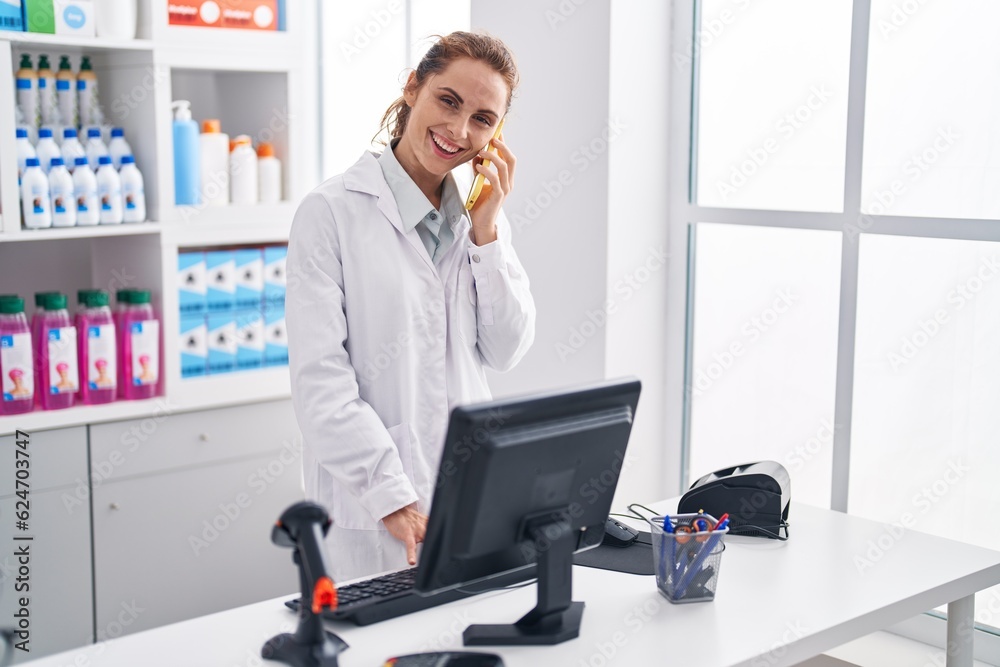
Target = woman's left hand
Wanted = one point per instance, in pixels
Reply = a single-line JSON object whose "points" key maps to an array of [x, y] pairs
{"points": [[499, 181]]}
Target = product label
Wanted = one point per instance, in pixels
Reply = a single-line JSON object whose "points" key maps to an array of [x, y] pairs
{"points": [[101, 367], [39, 198], [131, 194], [15, 360], [62, 84], [145, 352], [63, 371], [24, 84]]}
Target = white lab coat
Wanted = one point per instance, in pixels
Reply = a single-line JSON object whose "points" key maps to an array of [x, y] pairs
{"points": [[382, 344]]}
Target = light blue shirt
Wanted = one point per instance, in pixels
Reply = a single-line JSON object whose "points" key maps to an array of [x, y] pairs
{"points": [[416, 211]]}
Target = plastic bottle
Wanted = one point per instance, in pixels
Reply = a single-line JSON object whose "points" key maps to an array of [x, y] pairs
{"points": [[140, 347], [109, 192], [187, 160], [122, 299], [27, 93], [24, 151], [133, 191], [17, 370], [56, 127], [66, 93], [243, 172], [54, 338], [35, 205], [46, 149], [269, 174], [214, 163], [72, 148], [88, 206], [61, 191], [118, 147], [95, 331], [48, 106], [95, 148], [86, 91]]}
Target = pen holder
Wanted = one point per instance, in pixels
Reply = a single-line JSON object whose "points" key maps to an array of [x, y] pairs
{"points": [[687, 563]]}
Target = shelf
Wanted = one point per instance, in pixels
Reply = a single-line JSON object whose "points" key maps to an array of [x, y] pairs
{"points": [[80, 415], [97, 231], [261, 223], [35, 39]]}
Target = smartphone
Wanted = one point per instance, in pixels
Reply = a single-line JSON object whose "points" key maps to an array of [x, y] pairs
{"points": [[477, 185]]}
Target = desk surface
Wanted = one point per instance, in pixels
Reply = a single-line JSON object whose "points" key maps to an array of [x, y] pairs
{"points": [[838, 578]]}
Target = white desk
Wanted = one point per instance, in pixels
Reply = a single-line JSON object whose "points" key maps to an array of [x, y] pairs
{"points": [[777, 604]]}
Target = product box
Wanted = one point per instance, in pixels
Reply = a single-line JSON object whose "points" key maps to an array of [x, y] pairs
{"points": [[249, 339], [60, 17], [240, 14], [220, 274], [191, 284], [275, 335], [274, 273], [221, 343], [193, 344], [249, 279], [11, 17]]}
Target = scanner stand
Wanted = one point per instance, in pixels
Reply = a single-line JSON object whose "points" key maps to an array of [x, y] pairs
{"points": [[556, 618]]}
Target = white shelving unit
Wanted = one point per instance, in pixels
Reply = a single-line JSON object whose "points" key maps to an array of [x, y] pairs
{"points": [[257, 83]]}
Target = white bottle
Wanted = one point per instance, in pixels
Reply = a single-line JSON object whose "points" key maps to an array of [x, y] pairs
{"points": [[72, 148], [95, 148], [133, 192], [118, 148], [24, 151], [35, 204], [88, 206], [269, 172], [109, 192], [61, 192], [46, 149], [214, 146], [243, 172]]}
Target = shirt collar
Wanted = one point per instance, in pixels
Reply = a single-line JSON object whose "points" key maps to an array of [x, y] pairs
{"points": [[412, 202]]}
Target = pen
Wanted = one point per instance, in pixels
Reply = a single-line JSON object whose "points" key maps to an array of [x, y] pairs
{"points": [[668, 529], [706, 549]]}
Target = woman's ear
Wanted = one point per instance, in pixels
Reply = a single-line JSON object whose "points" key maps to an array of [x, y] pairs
{"points": [[410, 89]]}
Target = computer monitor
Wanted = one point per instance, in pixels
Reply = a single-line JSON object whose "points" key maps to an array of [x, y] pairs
{"points": [[524, 481]]}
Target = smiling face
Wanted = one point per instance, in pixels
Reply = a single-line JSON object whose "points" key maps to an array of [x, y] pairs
{"points": [[452, 117]]}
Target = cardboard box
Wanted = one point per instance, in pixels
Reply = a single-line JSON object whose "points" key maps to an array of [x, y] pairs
{"points": [[60, 17], [193, 344], [239, 14], [274, 273], [191, 285], [11, 16], [249, 339], [221, 343], [275, 335], [249, 278], [220, 274]]}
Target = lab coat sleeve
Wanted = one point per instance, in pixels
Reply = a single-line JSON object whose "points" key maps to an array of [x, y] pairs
{"points": [[347, 436], [506, 310]]}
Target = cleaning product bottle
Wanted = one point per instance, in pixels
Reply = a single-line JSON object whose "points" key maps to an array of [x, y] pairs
{"points": [[27, 94], [72, 148], [35, 205], [133, 192], [66, 94], [48, 106], [140, 347], [17, 370], [95, 148], [86, 92], [214, 163], [109, 192], [54, 338], [243, 172], [118, 147], [61, 191], [24, 151], [122, 299], [187, 161], [269, 174], [88, 206], [97, 348], [46, 149]]}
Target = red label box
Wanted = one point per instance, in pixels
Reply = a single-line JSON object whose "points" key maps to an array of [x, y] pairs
{"points": [[241, 14]]}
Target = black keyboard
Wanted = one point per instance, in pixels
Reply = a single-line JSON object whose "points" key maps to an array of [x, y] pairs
{"points": [[392, 595]]}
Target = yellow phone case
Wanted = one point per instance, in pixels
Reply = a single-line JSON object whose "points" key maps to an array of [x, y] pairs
{"points": [[477, 185]]}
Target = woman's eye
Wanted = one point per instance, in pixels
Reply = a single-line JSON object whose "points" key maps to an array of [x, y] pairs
{"points": [[485, 121], [447, 100]]}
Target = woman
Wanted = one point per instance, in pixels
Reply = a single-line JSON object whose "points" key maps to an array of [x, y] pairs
{"points": [[398, 299]]}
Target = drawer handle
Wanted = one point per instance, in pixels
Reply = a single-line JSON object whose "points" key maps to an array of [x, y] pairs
{"points": [[115, 506], [203, 437]]}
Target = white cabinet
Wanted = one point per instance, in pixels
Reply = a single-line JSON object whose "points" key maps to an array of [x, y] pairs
{"points": [[61, 588]]}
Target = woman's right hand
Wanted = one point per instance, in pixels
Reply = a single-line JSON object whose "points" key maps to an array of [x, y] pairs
{"points": [[408, 526]]}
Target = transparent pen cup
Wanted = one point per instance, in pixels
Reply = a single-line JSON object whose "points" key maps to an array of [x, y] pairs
{"points": [[687, 564]]}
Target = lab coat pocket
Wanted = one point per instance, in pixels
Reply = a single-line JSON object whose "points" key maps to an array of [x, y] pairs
{"points": [[466, 303]]}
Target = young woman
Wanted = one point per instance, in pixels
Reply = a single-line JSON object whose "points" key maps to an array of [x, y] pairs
{"points": [[398, 299]]}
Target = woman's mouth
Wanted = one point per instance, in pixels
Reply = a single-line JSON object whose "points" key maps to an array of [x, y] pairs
{"points": [[442, 147]]}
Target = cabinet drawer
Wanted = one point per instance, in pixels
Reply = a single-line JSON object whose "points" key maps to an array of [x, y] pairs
{"points": [[56, 458], [164, 442]]}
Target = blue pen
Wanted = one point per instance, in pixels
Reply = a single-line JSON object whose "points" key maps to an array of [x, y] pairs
{"points": [[668, 528], [695, 567]]}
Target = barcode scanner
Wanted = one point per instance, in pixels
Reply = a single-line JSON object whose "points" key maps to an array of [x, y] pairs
{"points": [[302, 527]]}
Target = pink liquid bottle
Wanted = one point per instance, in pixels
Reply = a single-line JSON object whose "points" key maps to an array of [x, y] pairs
{"points": [[54, 336], [122, 299], [140, 348], [97, 348], [16, 366]]}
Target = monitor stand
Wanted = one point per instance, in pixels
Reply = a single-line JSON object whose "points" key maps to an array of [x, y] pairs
{"points": [[556, 618]]}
